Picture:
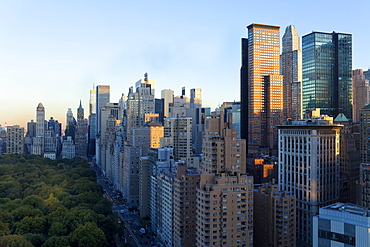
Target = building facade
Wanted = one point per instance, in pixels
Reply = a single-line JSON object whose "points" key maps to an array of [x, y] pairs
{"points": [[68, 148], [342, 224], [167, 95], [225, 210], [178, 133], [350, 160], [327, 73], [261, 87], [291, 69], [365, 185], [38, 141], [102, 98], [225, 195], [274, 215], [186, 183], [365, 134], [81, 133], [361, 93], [14, 139], [309, 168]]}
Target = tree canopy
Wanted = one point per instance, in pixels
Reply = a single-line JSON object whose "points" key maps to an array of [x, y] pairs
{"points": [[47, 202]]}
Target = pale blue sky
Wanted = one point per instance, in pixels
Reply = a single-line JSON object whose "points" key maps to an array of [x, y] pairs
{"points": [[53, 51]]}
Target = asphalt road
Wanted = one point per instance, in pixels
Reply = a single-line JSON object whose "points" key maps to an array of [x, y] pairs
{"points": [[129, 220]]}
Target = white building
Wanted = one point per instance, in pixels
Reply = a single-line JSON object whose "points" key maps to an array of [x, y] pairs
{"points": [[163, 168], [68, 148], [309, 168], [342, 224]]}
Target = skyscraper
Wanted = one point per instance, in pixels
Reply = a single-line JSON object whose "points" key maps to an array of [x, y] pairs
{"points": [[70, 118], [195, 112], [261, 87], [167, 95], [92, 123], [139, 102], [327, 73], [309, 168], [38, 140], [102, 98], [365, 134], [291, 69], [92, 102], [225, 194], [361, 93], [186, 183], [178, 133], [195, 98], [274, 214], [80, 134], [139, 109]]}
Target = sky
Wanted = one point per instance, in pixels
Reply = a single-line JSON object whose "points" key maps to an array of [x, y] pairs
{"points": [[54, 52]]}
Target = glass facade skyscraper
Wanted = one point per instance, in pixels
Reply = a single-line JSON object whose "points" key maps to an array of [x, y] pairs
{"points": [[327, 73]]}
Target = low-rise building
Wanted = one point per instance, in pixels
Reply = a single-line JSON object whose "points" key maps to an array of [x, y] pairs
{"points": [[342, 224]]}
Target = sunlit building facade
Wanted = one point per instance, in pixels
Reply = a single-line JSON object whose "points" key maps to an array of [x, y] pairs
{"points": [[167, 95], [225, 195], [309, 168], [261, 87]]}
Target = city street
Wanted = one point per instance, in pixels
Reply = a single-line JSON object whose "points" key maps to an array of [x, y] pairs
{"points": [[129, 220]]}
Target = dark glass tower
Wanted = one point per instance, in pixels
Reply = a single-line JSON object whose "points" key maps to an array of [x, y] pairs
{"points": [[244, 91], [327, 73]]}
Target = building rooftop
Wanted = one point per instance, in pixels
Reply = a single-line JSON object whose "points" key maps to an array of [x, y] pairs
{"points": [[315, 122], [263, 26], [366, 107], [341, 118], [347, 208]]}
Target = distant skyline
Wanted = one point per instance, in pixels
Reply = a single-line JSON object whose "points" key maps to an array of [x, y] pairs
{"points": [[55, 51]]}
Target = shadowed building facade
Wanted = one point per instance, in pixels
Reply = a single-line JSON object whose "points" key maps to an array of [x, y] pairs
{"points": [[361, 93]]}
